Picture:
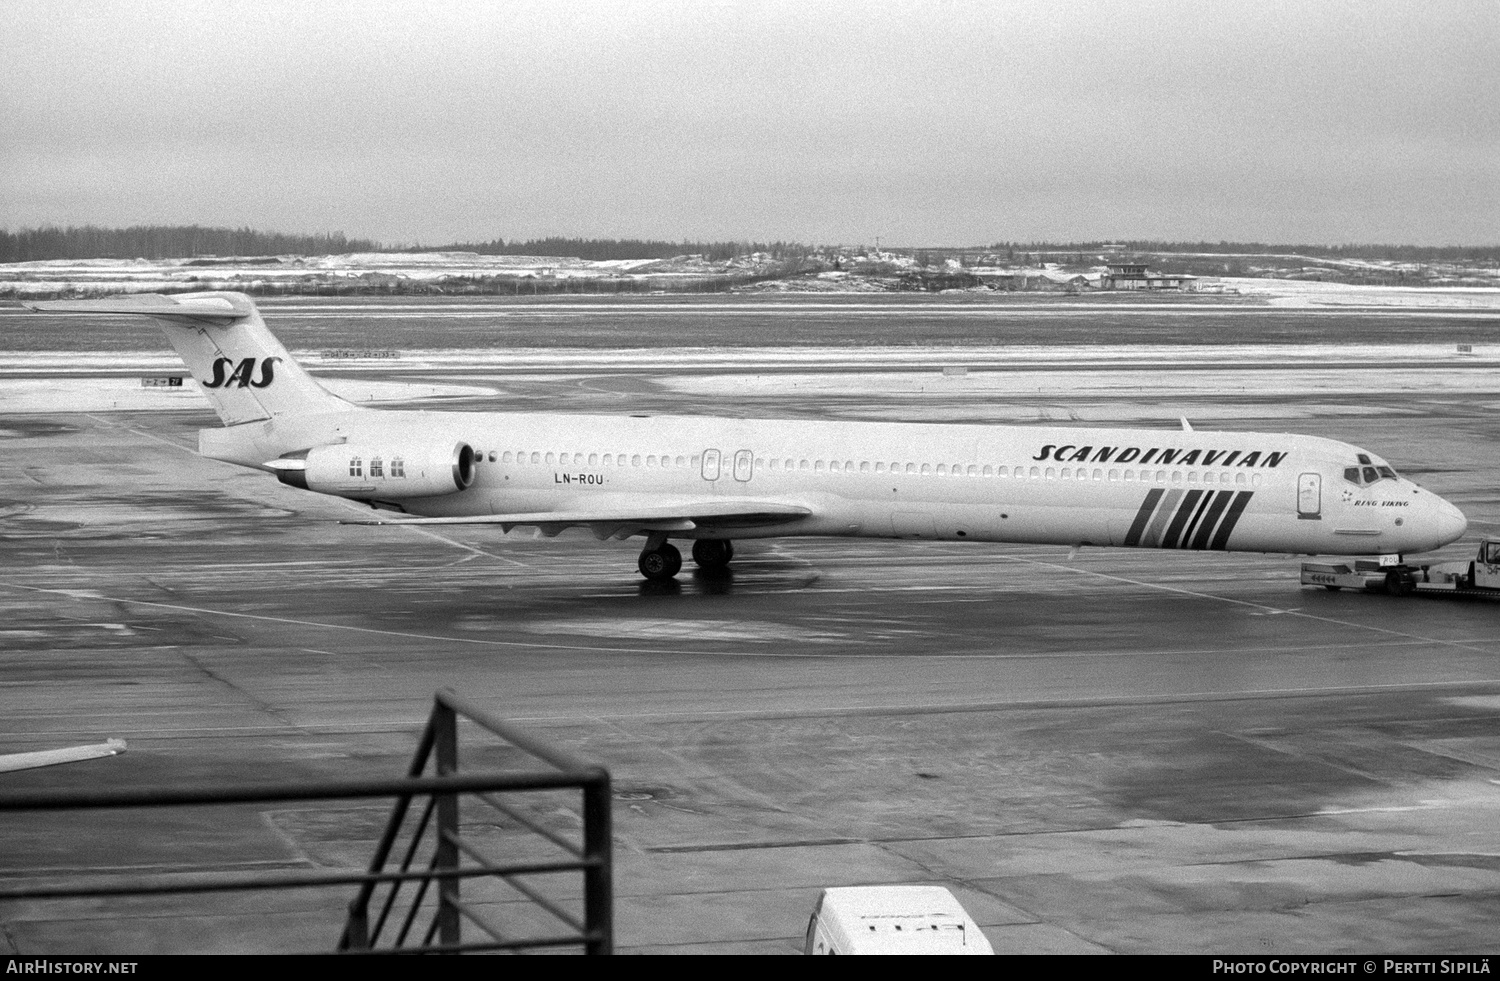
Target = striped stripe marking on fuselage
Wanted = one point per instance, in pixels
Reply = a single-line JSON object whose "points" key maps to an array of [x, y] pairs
{"points": [[1196, 519]]}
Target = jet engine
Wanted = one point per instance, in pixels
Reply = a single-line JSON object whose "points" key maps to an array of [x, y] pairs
{"points": [[388, 473]]}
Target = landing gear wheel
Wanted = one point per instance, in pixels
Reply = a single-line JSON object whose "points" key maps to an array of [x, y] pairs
{"points": [[661, 563], [712, 553], [1398, 583]]}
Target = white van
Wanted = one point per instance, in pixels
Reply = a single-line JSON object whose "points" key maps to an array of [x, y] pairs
{"points": [[892, 920]]}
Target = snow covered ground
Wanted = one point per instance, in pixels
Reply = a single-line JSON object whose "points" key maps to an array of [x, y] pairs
{"points": [[457, 272]]}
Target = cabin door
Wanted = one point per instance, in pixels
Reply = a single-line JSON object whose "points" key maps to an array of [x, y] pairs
{"points": [[1310, 496], [710, 464], [744, 465]]}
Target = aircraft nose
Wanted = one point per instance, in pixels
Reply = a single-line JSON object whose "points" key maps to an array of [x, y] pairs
{"points": [[1451, 523]]}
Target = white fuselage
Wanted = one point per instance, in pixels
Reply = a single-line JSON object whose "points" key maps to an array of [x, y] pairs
{"points": [[1124, 487]]}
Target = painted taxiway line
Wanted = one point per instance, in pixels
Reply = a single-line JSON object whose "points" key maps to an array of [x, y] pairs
{"points": [[1475, 646], [674, 651], [413, 724]]}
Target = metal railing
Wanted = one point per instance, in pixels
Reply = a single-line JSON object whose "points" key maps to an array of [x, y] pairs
{"points": [[435, 849], [592, 856]]}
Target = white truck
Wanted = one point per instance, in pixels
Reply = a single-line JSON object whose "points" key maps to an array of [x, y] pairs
{"points": [[1479, 577], [892, 920]]}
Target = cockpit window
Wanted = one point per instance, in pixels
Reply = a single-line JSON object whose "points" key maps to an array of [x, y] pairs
{"points": [[1365, 475]]}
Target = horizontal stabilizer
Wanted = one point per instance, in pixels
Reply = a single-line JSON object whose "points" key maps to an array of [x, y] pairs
{"points": [[216, 311], [680, 515], [52, 757]]}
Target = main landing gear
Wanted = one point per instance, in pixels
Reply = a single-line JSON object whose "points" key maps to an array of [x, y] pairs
{"points": [[660, 560], [713, 553]]}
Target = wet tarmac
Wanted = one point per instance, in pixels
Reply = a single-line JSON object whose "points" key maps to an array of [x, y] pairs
{"points": [[1116, 751]]}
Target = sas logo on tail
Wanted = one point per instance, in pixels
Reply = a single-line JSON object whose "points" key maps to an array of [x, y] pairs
{"points": [[243, 375]]}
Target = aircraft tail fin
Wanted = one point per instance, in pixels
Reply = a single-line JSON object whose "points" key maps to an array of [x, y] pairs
{"points": [[240, 366]]}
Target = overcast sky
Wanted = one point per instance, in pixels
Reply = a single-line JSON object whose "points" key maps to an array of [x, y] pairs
{"points": [[920, 123]]}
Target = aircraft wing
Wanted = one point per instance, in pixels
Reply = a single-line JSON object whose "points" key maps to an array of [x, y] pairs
{"points": [[623, 517], [51, 757]]}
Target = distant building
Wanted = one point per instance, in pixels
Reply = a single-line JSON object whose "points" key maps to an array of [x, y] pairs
{"points": [[1135, 276]]}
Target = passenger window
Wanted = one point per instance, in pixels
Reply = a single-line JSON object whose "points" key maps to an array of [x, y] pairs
{"points": [[1067, 473], [635, 460], [802, 465], [1130, 475], [927, 468], [549, 457], [817, 465], [864, 466], [494, 456], [1161, 476], [911, 468], [833, 466], [988, 470], [1239, 478], [1036, 472], [1176, 476], [536, 457], [942, 470], [1098, 474], [1192, 477], [506, 459], [651, 460], [879, 466], [1051, 473], [1114, 475], [681, 461]]}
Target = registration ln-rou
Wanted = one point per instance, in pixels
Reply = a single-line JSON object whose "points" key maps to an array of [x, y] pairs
{"points": [[710, 481]]}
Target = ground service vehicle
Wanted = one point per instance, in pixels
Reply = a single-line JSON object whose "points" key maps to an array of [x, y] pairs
{"points": [[892, 920], [1479, 577]]}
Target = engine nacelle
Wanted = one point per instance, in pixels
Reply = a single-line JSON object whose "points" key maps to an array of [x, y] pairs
{"points": [[385, 473]]}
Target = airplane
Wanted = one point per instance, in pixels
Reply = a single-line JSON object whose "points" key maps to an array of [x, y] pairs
{"points": [[712, 481]]}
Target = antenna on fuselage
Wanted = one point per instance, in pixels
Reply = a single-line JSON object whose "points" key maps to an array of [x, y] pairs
{"points": [[1187, 427]]}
